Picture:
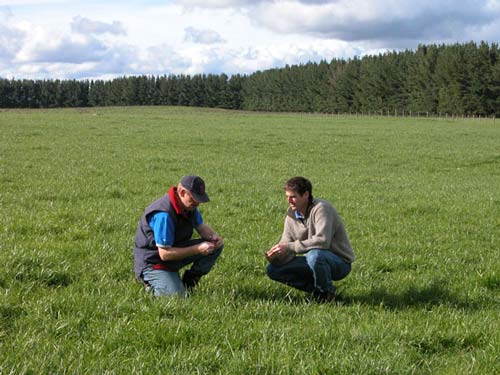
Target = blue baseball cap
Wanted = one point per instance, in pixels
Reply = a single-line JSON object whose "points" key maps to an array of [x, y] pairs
{"points": [[196, 186]]}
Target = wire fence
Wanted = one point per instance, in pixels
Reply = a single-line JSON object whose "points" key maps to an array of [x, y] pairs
{"points": [[419, 114]]}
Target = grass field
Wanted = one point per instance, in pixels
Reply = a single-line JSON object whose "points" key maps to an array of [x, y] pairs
{"points": [[419, 197]]}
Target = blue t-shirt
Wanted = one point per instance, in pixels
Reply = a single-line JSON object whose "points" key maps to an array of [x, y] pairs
{"points": [[164, 227]]}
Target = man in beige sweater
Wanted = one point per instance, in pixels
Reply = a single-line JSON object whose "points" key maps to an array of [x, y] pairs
{"points": [[313, 228]]}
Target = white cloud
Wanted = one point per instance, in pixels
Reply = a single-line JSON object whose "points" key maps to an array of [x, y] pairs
{"points": [[31, 2], [204, 36], [162, 59], [87, 26], [68, 49], [106, 38], [216, 3], [5, 13], [356, 20], [12, 37], [10, 40]]}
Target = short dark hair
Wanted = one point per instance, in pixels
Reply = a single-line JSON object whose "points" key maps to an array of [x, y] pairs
{"points": [[300, 185]]}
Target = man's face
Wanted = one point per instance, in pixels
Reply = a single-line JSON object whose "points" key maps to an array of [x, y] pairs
{"points": [[296, 201], [187, 200]]}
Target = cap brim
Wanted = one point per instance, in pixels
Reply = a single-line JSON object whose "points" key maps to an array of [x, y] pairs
{"points": [[201, 198]]}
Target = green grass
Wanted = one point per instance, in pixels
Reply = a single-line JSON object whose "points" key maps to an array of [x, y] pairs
{"points": [[419, 197]]}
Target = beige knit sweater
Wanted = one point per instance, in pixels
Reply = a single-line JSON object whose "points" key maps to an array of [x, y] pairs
{"points": [[322, 228]]}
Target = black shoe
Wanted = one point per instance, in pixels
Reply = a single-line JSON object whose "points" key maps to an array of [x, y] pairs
{"points": [[325, 297], [190, 279]]}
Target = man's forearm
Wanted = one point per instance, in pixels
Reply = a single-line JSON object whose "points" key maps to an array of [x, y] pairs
{"points": [[177, 253], [205, 231]]}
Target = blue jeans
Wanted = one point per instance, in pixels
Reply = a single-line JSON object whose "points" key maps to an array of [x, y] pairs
{"points": [[313, 272], [163, 282]]}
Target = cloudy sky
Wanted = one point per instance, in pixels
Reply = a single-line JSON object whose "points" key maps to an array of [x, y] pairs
{"points": [[78, 39]]}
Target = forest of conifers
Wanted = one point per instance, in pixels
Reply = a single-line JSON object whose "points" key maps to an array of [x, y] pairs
{"points": [[459, 79]]}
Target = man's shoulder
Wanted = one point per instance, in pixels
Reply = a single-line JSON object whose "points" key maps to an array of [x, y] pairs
{"points": [[321, 203], [164, 199], [322, 207], [162, 204], [160, 215]]}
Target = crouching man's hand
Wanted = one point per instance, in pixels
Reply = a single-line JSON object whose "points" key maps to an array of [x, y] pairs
{"points": [[216, 240], [279, 254], [206, 248]]}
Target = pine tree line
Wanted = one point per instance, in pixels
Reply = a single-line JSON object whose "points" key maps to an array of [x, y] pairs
{"points": [[460, 79], [216, 91]]}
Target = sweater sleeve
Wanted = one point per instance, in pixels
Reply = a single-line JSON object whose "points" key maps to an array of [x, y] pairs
{"points": [[287, 235], [320, 230]]}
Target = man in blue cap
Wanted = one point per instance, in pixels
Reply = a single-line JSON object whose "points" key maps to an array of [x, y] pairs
{"points": [[163, 243]]}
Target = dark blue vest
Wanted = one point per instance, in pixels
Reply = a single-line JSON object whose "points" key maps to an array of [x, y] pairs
{"points": [[145, 250]]}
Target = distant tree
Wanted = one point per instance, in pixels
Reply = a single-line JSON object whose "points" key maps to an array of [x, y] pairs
{"points": [[373, 88], [493, 89], [344, 85], [184, 90], [213, 90], [250, 97], [235, 86], [5, 93], [168, 90], [224, 95], [97, 94], [451, 79], [422, 88], [119, 91], [478, 76], [70, 94], [151, 95], [321, 88]]}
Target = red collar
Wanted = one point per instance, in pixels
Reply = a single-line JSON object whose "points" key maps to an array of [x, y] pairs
{"points": [[172, 194]]}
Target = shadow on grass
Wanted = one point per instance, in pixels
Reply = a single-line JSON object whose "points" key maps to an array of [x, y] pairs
{"points": [[8, 315], [41, 272], [252, 293], [434, 294]]}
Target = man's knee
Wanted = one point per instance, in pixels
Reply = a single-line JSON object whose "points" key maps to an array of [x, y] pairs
{"points": [[272, 272], [212, 258], [159, 292], [214, 255], [315, 257], [218, 251], [165, 289], [203, 264]]}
